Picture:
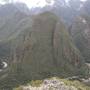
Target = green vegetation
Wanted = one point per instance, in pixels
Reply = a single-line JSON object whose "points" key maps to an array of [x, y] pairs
{"points": [[36, 83], [77, 84], [39, 46], [42, 50], [80, 32]]}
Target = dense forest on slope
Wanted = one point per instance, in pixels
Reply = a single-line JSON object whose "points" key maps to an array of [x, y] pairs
{"points": [[44, 42], [80, 31]]}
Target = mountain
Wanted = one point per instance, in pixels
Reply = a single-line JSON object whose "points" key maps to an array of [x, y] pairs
{"points": [[67, 10], [36, 47], [80, 31], [42, 49], [9, 16], [22, 7], [12, 23]]}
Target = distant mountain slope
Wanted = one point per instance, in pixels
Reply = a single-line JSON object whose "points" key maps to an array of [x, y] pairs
{"points": [[67, 10], [80, 31], [10, 18], [12, 22]]}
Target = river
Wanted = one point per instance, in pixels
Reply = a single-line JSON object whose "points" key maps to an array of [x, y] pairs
{"points": [[4, 66]]}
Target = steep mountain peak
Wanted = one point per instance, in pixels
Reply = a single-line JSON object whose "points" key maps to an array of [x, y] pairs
{"points": [[22, 7], [7, 9], [11, 17], [10, 8]]}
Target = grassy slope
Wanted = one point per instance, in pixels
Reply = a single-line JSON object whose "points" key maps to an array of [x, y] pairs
{"points": [[77, 84]]}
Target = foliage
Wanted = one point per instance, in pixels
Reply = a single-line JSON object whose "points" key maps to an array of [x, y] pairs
{"points": [[42, 49], [77, 84]]}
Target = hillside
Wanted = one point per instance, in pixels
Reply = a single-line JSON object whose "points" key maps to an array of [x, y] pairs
{"points": [[54, 84], [80, 31], [47, 45], [42, 49], [12, 22]]}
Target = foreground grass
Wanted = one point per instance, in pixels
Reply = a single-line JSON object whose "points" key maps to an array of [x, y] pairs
{"points": [[77, 84]]}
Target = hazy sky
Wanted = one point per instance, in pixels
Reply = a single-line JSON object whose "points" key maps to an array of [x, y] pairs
{"points": [[35, 3]]}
